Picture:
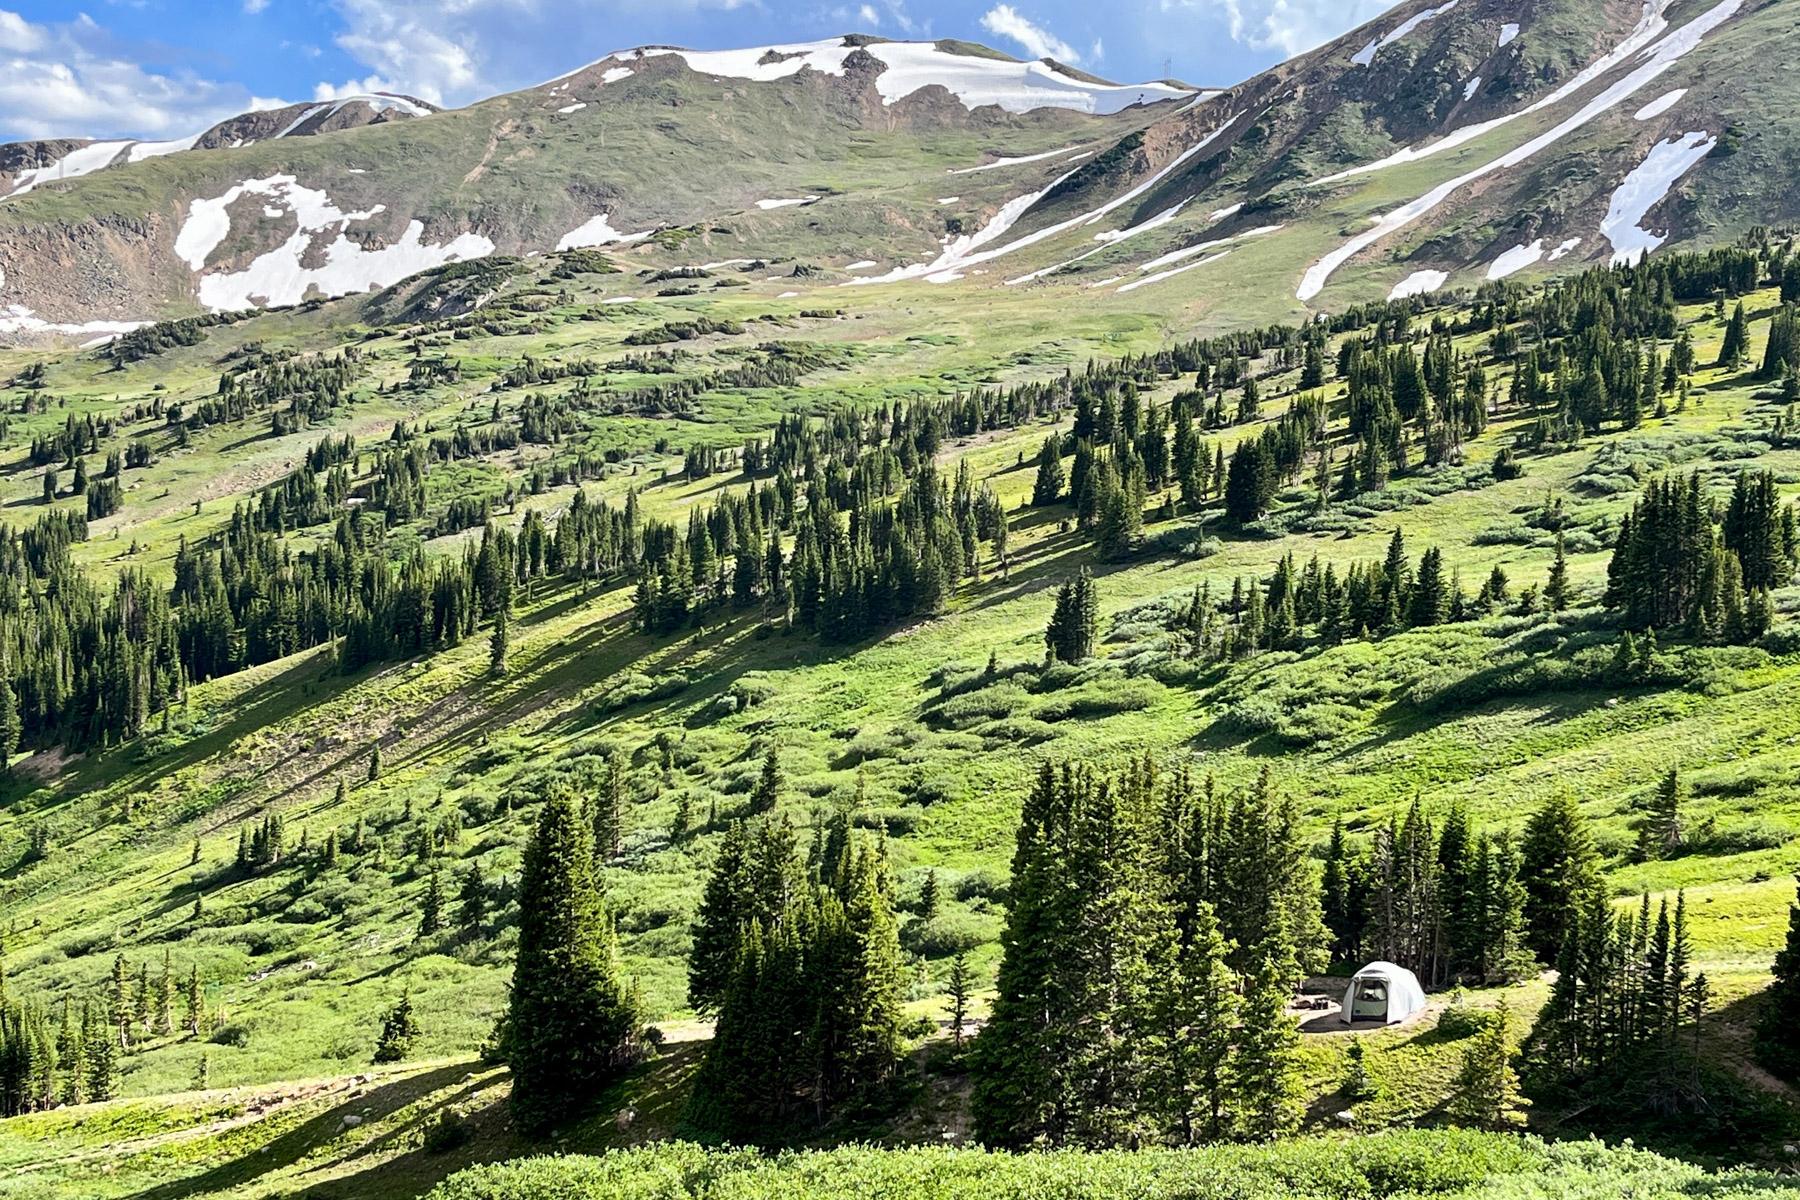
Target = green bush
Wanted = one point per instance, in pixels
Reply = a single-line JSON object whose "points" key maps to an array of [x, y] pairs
{"points": [[1461, 1163]]}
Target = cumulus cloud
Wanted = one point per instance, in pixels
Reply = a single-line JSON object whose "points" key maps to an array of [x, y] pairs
{"points": [[1288, 26], [1003, 20], [452, 52], [72, 79]]}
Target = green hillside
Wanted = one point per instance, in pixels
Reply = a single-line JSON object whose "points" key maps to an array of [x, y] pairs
{"points": [[246, 621]]}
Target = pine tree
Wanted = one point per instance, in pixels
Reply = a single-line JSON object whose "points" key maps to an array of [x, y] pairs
{"points": [[571, 1024], [398, 1029], [1560, 870], [1487, 1094], [1736, 345], [1556, 590], [501, 639], [193, 1003], [957, 986], [768, 784], [472, 899], [1358, 1084], [1660, 831], [1266, 1065], [1202, 1018], [9, 718], [375, 762], [1047, 488], [431, 909], [1777, 1033], [102, 1058]]}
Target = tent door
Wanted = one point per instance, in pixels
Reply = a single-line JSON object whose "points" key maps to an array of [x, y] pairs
{"points": [[1371, 1002]]}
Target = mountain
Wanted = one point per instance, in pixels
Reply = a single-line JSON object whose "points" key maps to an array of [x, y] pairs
{"points": [[640, 141], [1444, 144]]}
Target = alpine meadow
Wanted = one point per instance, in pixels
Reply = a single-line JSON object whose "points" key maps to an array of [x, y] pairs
{"points": [[869, 617]]}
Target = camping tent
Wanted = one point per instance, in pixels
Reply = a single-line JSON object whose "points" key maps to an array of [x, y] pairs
{"points": [[1382, 992]]}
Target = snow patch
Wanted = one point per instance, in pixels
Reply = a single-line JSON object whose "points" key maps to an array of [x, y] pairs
{"points": [[620, 300], [278, 277], [1651, 25], [1563, 250], [1508, 32], [1419, 283], [1158, 278], [1515, 260], [1219, 214], [729, 262], [1660, 105], [1664, 55], [17, 318], [966, 250], [142, 150], [787, 295], [796, 202], [1366, 55], [1644, 189], [948, 199], [73, 165], [598, 231], [910, 67], [864, 265], [1020, 161], [566, 109], [1470, 88], [615, 74]]}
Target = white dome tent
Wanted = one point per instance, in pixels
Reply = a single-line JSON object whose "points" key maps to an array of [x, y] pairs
{"points": [[1382, 992]]}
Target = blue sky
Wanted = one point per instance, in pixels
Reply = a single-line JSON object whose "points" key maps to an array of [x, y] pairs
{"points": [[166, 68]]}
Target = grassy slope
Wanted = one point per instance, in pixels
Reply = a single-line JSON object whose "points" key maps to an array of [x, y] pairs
{"points": [[304, 965]]}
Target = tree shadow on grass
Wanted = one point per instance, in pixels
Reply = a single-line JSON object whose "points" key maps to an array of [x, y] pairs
{"points": [[308, 1136]]}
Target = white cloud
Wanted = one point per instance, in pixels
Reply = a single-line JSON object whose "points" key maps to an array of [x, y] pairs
{"points": [[453, 52], [255, 6], [1289, 26], [1003, 20], [868, 16], [70, 80]]}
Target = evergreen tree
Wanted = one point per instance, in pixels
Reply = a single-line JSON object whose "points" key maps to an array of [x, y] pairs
{"points": [[1777, 1034], [571, 1024], [1556, 591], [431, 909], [1487, 1094], [1266, 1066], [501, 639], [1560, 871], [1074, 622], [1048, 487], [472, 899], [768, 784], [1660, 830], [1201, 1021], [957, 986], [398, 1029], [1736, 345]]}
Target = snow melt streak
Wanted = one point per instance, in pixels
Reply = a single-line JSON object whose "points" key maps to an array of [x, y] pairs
{"points": [[1644, 189]]}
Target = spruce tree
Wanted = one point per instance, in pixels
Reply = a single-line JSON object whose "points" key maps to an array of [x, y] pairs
{"points": [[768, 784], [1560, 870], [398, 1029], [1660, 831], [1487, 1094], [431, 909], [572, 1025], [1777, 1033], [1266, 1066], [501, 639], [1202, 1017], [1557, 592], [956, 986]]}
